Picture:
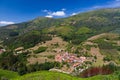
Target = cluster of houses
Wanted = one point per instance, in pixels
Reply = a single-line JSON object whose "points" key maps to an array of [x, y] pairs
{"points": [[70, 58]]}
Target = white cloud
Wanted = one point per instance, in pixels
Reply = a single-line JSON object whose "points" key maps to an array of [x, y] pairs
{"points": [[51, 14], [112, 4], [73, 14], [58, 13], [48, 16], [6, 23], [62, 12]]}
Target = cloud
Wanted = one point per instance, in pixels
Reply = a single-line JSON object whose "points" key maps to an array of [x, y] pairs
{"points": [[112, 4], [109, 4], [62, 12], [73, 14], [6, 23], [51, 14], [58, 13], [48, 16]]}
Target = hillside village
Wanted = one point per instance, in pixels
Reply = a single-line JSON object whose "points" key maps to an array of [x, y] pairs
{"points": [[58, 53], [70, 58]]}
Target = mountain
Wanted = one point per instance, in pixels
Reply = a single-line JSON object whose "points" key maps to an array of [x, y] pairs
{"points": [[25, 27], [92, 36], [99, 21], [83, 25]]}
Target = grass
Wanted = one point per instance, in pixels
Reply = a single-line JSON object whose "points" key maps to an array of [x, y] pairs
{"points": [[8, 74], [65, 30], [40, 49], [83, 30], [45, 75]]}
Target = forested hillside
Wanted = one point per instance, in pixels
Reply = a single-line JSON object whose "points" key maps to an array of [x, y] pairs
{"points": [[75, 28]]}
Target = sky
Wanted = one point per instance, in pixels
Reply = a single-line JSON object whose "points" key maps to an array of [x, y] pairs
{"points": [[16, 11]]}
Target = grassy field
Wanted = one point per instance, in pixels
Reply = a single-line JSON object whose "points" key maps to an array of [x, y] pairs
{"points": [[8, 74], [45, 75]]}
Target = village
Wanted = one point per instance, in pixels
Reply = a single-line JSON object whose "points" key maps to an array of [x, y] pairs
{"points": [[72, 60]]}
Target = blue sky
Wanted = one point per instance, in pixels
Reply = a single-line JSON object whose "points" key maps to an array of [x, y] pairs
{"points": [[15, 11]]}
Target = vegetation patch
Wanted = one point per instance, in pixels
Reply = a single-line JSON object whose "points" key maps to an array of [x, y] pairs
{"points": [[6, 75], [28, 40], [47, 75], [109, 48], [104, 70], [40, 49], [83, 30]]}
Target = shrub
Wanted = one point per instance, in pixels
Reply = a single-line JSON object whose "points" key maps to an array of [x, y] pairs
{"points": [[96, 71], [51, 57], [12, 34], [40, 49], [106, 59]]}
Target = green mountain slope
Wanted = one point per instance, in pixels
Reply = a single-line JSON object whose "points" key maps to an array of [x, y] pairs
{"points": [[79, 31], [75, 28], [102, 20]]}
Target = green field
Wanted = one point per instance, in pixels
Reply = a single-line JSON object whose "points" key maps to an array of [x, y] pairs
{"points": [[8, 74], [46, 75]]}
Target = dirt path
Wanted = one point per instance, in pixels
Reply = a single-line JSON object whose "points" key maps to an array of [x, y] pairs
{"points": [[111, 35], [97, 36]]}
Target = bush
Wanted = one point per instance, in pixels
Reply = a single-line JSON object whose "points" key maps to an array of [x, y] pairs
{"points": [[51, 57], [40, 49], [104, 70], [1, 47], [118, 48], [107, 59], [12, 34]]}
